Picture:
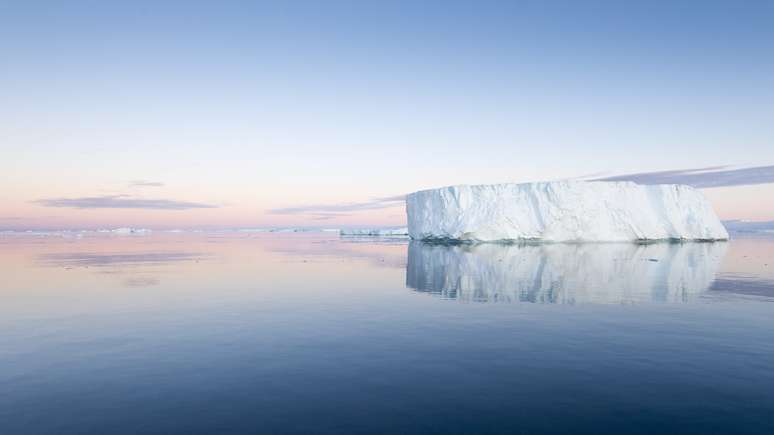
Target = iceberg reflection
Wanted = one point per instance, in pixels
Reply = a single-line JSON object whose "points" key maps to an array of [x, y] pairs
{"points": [[564, 273]]}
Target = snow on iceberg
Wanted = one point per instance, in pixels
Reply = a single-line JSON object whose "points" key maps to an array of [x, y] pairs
{"points": [[563, 211], [375, 232]]}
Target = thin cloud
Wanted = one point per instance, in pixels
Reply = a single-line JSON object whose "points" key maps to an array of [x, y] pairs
{"points": [[145, 183], [26, 218], [121, 201], [328, 211], [713, 176], [594, 175], [326, 217]]}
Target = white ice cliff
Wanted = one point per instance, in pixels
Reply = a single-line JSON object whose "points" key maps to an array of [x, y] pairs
{"points": [[562, 211]]}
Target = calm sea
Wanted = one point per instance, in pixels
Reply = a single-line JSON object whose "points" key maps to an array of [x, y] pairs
{"points": [[314, 333]]}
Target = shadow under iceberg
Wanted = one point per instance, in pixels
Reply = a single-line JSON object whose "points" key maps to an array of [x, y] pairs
{"points": [[564, 273]]}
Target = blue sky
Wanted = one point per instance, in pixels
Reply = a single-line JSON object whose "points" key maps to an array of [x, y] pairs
{"points": [[254, 107]]}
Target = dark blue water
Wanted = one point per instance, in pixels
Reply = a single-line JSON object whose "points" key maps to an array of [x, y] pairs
{"points": [[316, 334]]}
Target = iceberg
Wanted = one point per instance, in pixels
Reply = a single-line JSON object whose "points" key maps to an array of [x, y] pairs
{"points": [[375, 232], [563, 211]]}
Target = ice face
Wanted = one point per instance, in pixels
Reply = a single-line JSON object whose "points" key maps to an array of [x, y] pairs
{"points": [[565, 273], [563, 211]]}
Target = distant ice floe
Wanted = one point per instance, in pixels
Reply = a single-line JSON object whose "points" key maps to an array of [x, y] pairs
{"points": [[124, 231], [278, 230], [564, 211], [378, 232], [39, 233], [564, 273]]}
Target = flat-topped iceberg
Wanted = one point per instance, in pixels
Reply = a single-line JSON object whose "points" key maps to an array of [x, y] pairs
{"points": [[563, 211]]}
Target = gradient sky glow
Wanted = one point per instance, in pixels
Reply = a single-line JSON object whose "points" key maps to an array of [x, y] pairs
{"points": [[223, 114]]}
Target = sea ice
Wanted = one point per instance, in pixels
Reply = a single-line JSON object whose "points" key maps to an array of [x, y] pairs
{"points": [[375, 232]]}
